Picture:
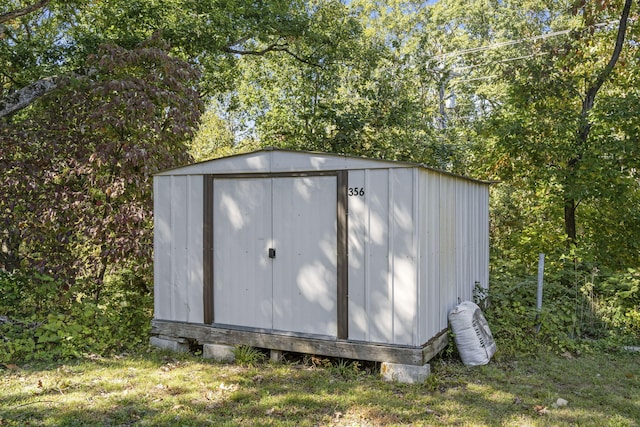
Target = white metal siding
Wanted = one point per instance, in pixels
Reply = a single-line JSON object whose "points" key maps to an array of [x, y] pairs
{"points": [[403, 253], [462, 246], [383, 256], [178, 266], [295, 291], [281, 161], [430, 322], [447, 249], [242, 271], [162, 273], [484, 236], [473, 262], [417, 241], [462, 242], [359, 236], [454, 246], [305, 266]]}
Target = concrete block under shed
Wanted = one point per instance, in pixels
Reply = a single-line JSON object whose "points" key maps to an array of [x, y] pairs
{"points": [[218, 352], [407, 374], [276, 356], [170, 344]]}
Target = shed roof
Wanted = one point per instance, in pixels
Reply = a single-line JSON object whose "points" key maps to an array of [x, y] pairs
{"points": [[276, 160]]}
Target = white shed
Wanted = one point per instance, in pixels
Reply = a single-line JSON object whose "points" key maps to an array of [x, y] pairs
{"points": [[317, 253]]}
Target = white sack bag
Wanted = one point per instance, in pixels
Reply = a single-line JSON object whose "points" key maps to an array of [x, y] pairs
{"points": [[472, 334]]}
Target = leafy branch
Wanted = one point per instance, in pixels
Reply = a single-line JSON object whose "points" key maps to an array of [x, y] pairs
{"points": [[590, 96], [13, 14], [278, 46]]}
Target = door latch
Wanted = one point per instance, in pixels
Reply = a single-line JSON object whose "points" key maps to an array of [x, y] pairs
{"points": [[272, 253]]}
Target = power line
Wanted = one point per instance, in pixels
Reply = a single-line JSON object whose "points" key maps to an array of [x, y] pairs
{"points": [[503, 44], [512, 42], [516, 58]]}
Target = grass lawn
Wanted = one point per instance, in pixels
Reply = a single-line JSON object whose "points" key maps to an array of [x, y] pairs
{"points": [[165, 389]]}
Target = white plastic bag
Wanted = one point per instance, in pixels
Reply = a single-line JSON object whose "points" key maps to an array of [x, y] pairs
{"points": [[472, 334]]}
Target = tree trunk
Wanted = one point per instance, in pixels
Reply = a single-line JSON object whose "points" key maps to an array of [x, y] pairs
{"points": [[9, 246], [570, 203], [570, 220], [13, 14]]}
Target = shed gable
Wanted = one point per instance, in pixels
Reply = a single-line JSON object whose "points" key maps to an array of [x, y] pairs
{"points": [[281, 161]]}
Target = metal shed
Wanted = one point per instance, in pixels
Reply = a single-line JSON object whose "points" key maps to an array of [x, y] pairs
{"points": [[316, 253]]}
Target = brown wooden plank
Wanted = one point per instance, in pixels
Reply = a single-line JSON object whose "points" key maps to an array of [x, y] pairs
{"points": [[206, 334], [435, 345]]}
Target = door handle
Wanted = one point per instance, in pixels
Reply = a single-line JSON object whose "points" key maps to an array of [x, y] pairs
{"points": [[272, 253]]}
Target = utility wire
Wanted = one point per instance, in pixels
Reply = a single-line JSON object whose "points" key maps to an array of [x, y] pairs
{"points": [[457, 76], [512, 42], [517, 58]]}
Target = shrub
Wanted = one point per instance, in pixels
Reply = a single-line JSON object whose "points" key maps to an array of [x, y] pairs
{"points": [[41, 319], [576, 314], [616, 299]]}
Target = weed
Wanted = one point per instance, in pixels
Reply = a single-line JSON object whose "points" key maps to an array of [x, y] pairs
{"points": [[345, 368], [248, 356]]}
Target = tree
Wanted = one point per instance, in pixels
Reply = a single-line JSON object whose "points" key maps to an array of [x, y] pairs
{"points": [[34, 49], [44, 47], [51, 39], [214, 138], [77, 185], [585, 124], [365, 93], [545, 92], [550, 136]]}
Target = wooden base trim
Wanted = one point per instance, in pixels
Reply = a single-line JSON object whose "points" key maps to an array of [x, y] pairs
{"points": [[207, 334], [435, 345]]}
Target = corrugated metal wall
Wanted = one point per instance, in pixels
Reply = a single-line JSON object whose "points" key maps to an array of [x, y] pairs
{"points": [[418, 242], [178, 267], [305, 267], [295, 290], [430, 292], [454, 248], [242, 229], [383, 253]]}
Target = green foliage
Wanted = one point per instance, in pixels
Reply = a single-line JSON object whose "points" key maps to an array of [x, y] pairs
{"points": [[345, 368], [43, 321], [248, 356], [616, 299], [360, 91], [567, 162], [24, 294], [213, 139], [77, 195], [577, 315], [211, 33], [218, 137], [31, 46], [362, 77]]}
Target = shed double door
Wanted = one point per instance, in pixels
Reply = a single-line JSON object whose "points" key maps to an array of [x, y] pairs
{"points": [[275, 253]]}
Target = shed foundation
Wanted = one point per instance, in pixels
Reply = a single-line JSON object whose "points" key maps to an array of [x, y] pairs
{"points": [[168, 343], [214, 339], [276, 356], [218, 352], [407, 374]]}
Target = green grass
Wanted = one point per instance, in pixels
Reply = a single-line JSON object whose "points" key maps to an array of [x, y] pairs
{"points": [[163, 389]]}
